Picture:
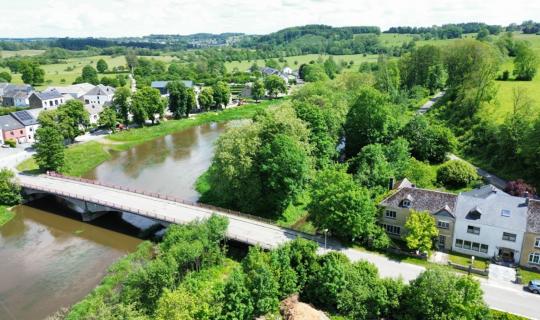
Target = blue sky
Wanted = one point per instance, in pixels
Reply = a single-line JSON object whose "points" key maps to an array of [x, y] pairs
{"points": [[110, 18]]}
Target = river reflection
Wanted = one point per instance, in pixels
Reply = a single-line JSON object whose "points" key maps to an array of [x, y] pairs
{"points": [[168, 165]]}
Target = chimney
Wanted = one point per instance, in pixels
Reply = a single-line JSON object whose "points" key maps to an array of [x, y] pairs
{"points": [[526, 195], [391, 184]]}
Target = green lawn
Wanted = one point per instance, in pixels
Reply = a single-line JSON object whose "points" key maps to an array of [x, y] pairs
{"points": [[81, 158], [465, 260], [5, 215], [527, 276], [22, 53], [295, 61]]}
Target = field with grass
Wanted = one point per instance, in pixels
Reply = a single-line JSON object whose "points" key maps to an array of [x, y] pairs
{"points": [[295, 61], [22, 53], [66, 73]]}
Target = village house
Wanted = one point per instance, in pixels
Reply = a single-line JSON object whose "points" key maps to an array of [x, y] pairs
{"points": [[12, 129], [99, 95], [490, 224], [29, 122], [74, 91], [406, 197], [46, 100], [530, 256], [16, 95]]}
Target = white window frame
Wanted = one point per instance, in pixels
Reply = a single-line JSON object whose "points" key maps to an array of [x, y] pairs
{"points": [[473, 228], [537, 243], [507, 236], [534, 256], [443, 224]]}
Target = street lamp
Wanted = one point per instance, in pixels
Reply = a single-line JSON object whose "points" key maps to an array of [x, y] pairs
{"points": [[325, 232]]}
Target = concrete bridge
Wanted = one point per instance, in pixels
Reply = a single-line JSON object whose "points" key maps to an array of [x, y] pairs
{"points": [[92, 199]]}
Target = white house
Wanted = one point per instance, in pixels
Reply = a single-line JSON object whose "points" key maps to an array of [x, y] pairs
{"points": [[100, 94], [490, 223], [74, 91], [46, 100], [94, 110]]}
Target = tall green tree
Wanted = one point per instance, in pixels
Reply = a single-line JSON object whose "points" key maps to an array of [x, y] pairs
{"points": [[206, 98], [31, 73], [222, 94], [89, 74], [102, 66], [260, 281], [387, 76], [5, 76], [526, 61], [421, 231], [107, 118], [423, 66], [370, 120], [181, 99], [73, 119], [10, 190], [146, 104], [237, 303], [429, 142], [330, 67], [275, 85], [258, 90], [442, 294], [121, 102], [49, 148]]}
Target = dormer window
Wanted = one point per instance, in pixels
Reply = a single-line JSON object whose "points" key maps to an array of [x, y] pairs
{"points": [[406, 203], [505, 213], [474, 214]]}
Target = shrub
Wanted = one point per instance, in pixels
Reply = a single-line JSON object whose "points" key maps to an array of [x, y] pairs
{"points": [[11, 143], [519, 188], [456, 174], [10, 191]]}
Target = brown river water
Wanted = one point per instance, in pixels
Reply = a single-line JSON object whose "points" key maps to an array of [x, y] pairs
{"points": [[50, 259]]}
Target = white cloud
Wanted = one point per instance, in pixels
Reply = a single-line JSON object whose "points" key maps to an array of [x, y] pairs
{"points": [[42, 18]]}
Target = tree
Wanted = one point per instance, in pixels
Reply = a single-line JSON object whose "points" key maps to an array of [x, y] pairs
{"points": [[258, 90], [206, 98], [429, 142], [370, 120], [131, 59], [49, 148], [72, 119], [89, 74], [519, 188], [181, 99], [341, 206], [275, 85], [5, 76], [456, 174], [421, 230], [372, 169], [387, 76], [31, 73], [526, 61], [330, 67], [102, 66], [442, 294], [483, 34], [121, 102], [424, 67], [328, 281], [146, 103], [222, 94], [10, 190], [260, 281], [313, 73], [237, 303], [107, 118]]}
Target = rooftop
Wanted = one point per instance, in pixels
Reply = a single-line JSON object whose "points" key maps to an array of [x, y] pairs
{"points": [[24, 117], [48, 95], [422, 199], [163, 84], [100, 90], [9, 123]]}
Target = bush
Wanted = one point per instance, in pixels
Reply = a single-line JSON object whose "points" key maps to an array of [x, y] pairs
{"points": [[519, 188], [10, 191], [11, 143], [456, 174]]}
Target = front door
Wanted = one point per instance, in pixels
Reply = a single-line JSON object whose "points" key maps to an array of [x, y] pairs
{"points": [[442, 241]]}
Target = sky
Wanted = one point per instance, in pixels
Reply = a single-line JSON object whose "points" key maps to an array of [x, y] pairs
{"points": [[117, 18]]}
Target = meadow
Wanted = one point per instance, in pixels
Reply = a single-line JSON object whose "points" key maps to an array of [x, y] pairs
{"points": [[22, 53]]}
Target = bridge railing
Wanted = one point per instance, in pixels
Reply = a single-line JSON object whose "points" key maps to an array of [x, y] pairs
{"points": [[164, 197]]}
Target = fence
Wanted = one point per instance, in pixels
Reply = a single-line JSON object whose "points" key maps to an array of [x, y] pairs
{"points": [[469, 268]]}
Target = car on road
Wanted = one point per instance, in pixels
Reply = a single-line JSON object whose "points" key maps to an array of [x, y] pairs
{"points": [[534, 286]]}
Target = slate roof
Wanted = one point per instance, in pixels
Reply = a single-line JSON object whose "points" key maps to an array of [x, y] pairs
{"points": [[75, 90], [9, 123], [48, 95], [100, 90], [533, 216], [489, 201], [24, 117], [13, 89], [422, 199]]}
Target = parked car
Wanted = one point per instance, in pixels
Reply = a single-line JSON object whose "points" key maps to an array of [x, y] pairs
{"points": [[534, 286]]}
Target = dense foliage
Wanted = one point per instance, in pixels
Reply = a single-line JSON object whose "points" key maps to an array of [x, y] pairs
{"points": [[10, 190]]}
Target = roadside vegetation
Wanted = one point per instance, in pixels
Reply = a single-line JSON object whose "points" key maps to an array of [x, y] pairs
{"points": [[10, 194]]}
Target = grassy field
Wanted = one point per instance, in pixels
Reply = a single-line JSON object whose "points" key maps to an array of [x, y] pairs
{"points": [[66, 73], [5, 215], [81, 158], [22, 53], [295, 61], [465, 260]]}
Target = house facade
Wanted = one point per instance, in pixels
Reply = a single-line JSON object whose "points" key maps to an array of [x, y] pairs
{"points": [[47, 100], [396, 208], [12, 129], [16, 95], [490, 224], [530, 256], [99, 95], [29, 122]]}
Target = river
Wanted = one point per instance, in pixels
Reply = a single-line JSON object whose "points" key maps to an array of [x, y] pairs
{"points": [[50, 259]]}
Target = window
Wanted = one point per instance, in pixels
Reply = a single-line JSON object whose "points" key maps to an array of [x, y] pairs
{"points": [[459, 243], [51, 103], [20, 131], [475, 246], [484, 248], [390, 214], [406, 203], [509, 236], [473, 230], [392, 229], [443, 224], [505, 213], [467, 245], [534, 258], [537, 243]]}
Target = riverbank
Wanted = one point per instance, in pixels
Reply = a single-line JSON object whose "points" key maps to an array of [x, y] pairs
{"points": [[83, 157], [5, 215]]}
